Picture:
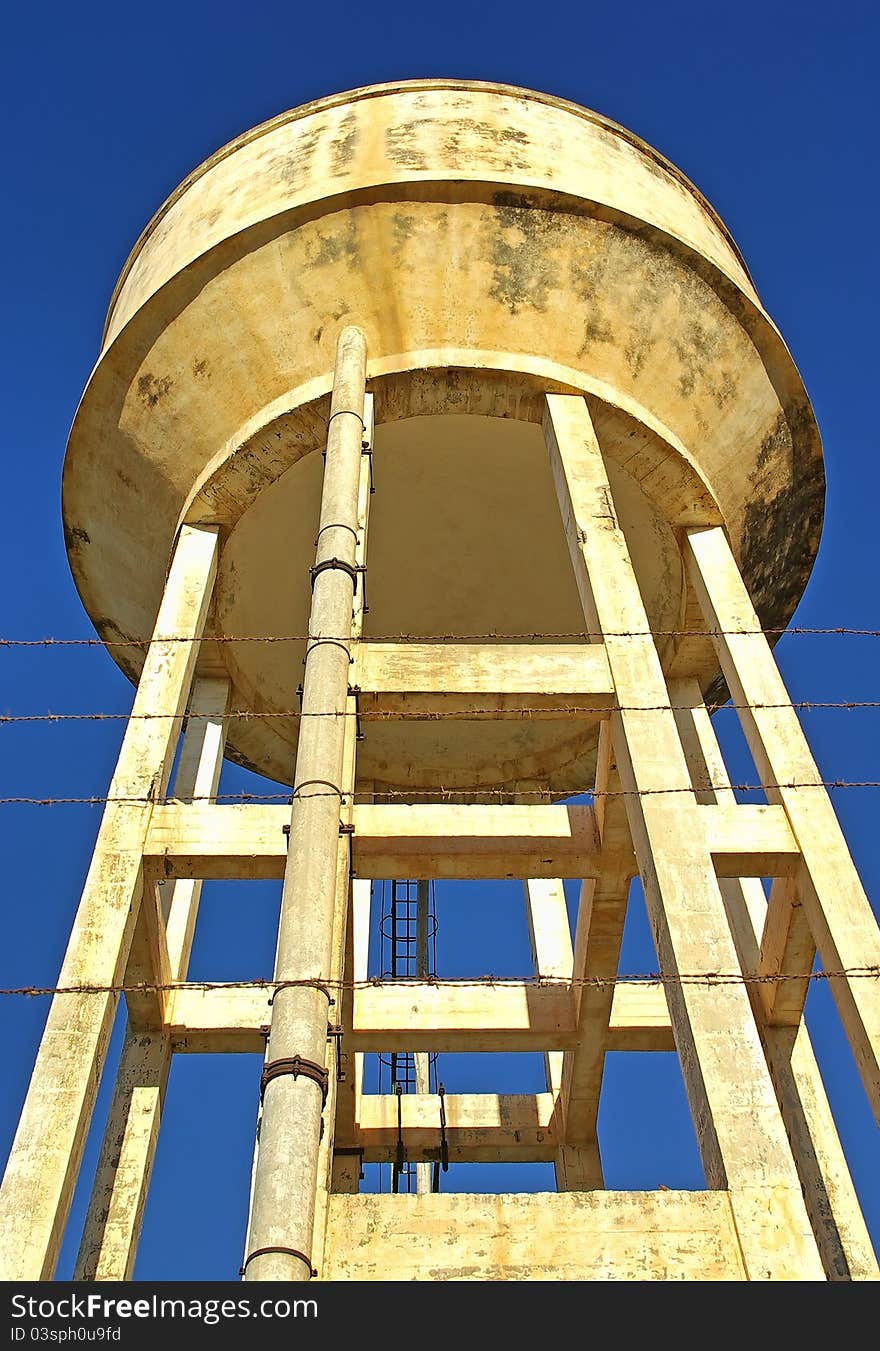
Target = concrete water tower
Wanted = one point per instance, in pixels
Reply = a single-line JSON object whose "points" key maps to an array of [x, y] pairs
{"points": [[598, 487]]}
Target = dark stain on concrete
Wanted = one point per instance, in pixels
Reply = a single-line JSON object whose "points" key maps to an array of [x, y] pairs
{"points": [[523, 268], [463, 135], [74, 536], [782, 520], [587, 281], [338, 247], [292, 164], [402, 148], [723, 388], [151, 390], [343, 147], [403, 228], [697, 351]]}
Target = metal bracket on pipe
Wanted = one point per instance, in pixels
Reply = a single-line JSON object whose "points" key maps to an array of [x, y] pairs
{"points": [[329, 564], [301, 984], [291, 1252], [317, 642], [296, 1065]]}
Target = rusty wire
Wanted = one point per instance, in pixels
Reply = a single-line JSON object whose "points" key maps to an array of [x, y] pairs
{"points": [[432, 715], [443, 794], [589, 634], [707, 978]]}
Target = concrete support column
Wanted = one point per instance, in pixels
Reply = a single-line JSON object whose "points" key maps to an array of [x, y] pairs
{"points": [[742, 1139], [285, 1179], [125, 1164], [47, 1150], [837, 912]]}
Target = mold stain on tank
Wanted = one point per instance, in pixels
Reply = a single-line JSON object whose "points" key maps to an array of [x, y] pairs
{"points": [[200, 369], [463, 135], [336, 248], [293, 163], [402, 148], [343, 147], [75, 536], [522, 267], [588, 275], [151, 390], [635, 354], [403, 228], [782, 517], [697, 348], [723, 389]]}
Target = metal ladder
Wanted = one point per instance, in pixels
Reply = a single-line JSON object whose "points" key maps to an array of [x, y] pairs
{"points": [[408, 930]]}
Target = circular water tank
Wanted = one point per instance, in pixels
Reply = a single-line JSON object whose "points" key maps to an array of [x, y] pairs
{"points": [[494, 244]]}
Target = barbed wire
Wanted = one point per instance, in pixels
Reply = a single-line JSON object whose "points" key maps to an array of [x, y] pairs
{"points": [[432, 715], [638, 979], [440, 793], [593, 635]]}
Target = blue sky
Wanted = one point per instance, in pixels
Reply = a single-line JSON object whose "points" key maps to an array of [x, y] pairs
{"points": [[769, 108]]}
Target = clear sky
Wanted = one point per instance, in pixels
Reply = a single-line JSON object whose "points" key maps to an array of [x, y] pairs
{"points": [[769, 108]]}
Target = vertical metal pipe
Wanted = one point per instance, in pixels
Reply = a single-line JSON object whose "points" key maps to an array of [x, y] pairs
{"points": [[286, 1175], [422, 970]]}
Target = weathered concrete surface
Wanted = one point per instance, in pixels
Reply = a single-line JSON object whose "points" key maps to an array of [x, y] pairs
{"points": [[568, 1236], [493, 244]]}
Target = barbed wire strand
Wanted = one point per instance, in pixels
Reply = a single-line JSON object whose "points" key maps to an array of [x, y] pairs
{"points": [[433, 715], [441, 794], [454, 982], [430, 639]]}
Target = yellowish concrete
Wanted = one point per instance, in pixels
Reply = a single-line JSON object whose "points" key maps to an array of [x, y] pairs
{"points": [[832, 1203], [582, 261], [512, 1017], [46, 1153], [838, 912], [575, 1236], [742, 1140], [455, 841], [112, 1227]]}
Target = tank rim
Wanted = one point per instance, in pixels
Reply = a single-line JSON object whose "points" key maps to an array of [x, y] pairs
{"points": [[400, 86]]}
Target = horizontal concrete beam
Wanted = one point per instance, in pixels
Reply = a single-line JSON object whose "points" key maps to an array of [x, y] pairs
{"points": [[438, 840], [425, 1017], [480, 1127], [488, 680]]}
